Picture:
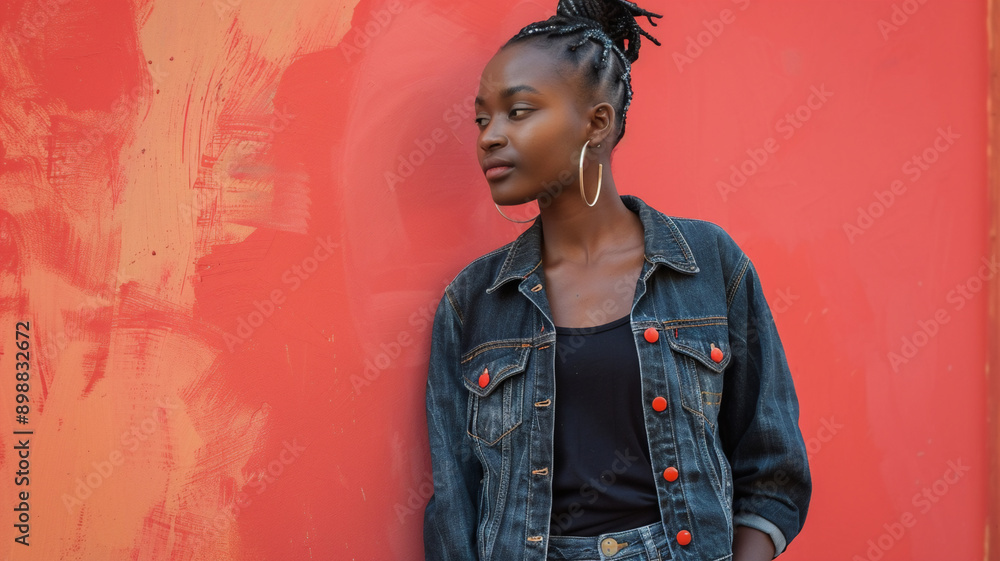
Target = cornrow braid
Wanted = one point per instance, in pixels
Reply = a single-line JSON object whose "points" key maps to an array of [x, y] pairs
{"points": [[610, 23]]}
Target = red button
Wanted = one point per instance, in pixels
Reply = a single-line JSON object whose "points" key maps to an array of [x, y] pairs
{"points": [[683, 537], [484, 378], [670, 474], [716, 354], [651, 334], [659, 403]]}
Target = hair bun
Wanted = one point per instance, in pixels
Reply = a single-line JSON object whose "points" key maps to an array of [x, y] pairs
{"points": [[617, 18]]}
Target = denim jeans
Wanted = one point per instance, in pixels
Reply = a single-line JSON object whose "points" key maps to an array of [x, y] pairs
{"points": [[645, 543]]}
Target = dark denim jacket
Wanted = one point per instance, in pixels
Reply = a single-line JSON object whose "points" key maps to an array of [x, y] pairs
{"points": [[707, 343]]}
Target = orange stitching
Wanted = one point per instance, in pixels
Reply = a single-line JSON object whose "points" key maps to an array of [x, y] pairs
{"points": [[498, 438], [679, 322], [700, 325], [700, 414], [492, 346]]}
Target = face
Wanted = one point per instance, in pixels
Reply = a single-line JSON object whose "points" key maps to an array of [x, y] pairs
{"points": [[531, 123]]}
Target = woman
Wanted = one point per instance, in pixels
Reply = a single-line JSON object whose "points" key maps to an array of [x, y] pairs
{"points": [[609, 385]]}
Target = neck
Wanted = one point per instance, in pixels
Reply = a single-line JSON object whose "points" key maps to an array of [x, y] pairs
{"points": [[581, 234]]}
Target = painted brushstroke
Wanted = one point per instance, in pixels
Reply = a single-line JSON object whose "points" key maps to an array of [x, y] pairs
{"points": [[229, 223]]}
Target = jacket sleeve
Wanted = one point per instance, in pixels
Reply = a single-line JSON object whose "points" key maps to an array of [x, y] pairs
{"points": [[451, 515], [758, 422]]}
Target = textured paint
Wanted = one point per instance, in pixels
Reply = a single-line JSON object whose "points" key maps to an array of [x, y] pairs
{"points": [[229, 223]]}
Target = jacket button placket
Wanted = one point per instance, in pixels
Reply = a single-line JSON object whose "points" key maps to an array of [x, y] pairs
{"points": [[541, 445], [659, 404]]}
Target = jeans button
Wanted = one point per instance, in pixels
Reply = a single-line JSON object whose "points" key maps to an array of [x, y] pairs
{"points": [[610, 546]]}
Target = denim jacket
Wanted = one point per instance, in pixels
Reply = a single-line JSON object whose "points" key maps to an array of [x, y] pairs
{"points": [[708, 346]]}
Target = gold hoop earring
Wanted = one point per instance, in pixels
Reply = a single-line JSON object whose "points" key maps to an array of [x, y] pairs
{"points": [[511, 219], [600, 177]]}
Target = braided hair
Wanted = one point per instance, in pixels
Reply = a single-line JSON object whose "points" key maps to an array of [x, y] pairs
{"points": [[609, 23]]}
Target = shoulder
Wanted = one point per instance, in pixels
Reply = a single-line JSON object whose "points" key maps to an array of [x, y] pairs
{"points": [[699, 230], [715, 252], [483, 269], [476, 276], [706, 239], [704, 236]]}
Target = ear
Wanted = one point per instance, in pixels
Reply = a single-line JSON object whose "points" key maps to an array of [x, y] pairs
{"points": [[602, 121]]}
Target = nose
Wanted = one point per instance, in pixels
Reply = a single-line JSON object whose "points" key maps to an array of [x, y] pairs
{"points": [[492, 136]]}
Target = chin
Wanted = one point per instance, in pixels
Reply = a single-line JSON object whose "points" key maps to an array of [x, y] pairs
{"points": [[507, 198]]}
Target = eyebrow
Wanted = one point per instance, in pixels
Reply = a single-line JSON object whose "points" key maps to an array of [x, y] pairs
{"points": [[507, 92]]}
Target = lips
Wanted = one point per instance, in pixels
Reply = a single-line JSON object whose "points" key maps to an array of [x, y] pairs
{"points": [[495, 168], [497, 172]]}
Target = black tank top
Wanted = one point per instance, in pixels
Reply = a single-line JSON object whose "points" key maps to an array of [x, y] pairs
{"points": [[602, 476]]}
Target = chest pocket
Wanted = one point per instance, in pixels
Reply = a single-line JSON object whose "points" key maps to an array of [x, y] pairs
{"points": [[701, 350], [494, 375]]}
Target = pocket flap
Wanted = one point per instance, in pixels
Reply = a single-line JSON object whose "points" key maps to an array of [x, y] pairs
{"points": [[698, 340], [501, 359]]}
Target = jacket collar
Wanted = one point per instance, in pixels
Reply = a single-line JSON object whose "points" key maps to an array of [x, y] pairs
{"points": [[662, 240]]}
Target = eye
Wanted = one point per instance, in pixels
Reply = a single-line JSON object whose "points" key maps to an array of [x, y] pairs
{"points": [[479, 120]]}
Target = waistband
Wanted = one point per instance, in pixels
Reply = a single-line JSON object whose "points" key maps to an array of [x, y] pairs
{"points": [[647, 540]]}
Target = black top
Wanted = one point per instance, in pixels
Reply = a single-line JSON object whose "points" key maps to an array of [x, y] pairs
{"points": [[602, 478]]}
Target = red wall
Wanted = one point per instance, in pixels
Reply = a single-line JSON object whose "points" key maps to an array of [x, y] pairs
{"points": [[291, 321]]}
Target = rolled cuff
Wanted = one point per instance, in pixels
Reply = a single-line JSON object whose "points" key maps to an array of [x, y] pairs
{"points": [[758, 522]]}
